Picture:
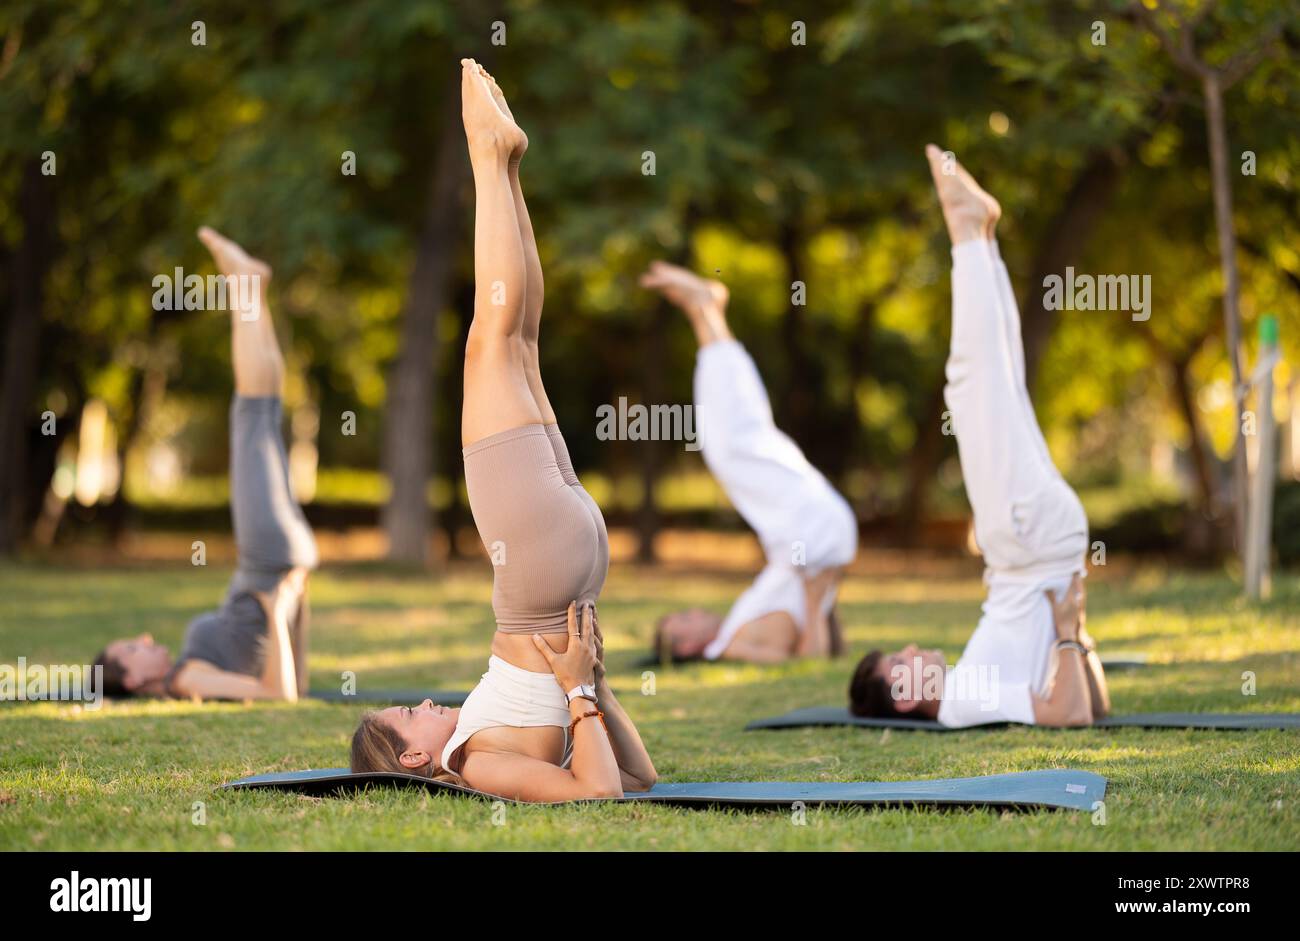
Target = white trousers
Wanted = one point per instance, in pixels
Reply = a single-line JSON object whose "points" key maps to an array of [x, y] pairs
{"points": [[803, 524], [1029, 523]]}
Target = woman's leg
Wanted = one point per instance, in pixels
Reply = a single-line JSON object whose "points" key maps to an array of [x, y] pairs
{"points": [[271, 534], [254, 348], [535, 288], [526, 502], [497, 392], [534, 296]]}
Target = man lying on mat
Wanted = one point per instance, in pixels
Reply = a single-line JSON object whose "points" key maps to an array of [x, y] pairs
{"points": [[807, 530], [1030, 659]]}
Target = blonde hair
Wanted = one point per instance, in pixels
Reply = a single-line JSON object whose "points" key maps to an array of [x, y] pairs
{"points": [[377, 746]]}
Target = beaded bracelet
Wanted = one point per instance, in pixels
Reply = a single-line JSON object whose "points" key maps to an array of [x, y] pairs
{"points": [[587, 715]]}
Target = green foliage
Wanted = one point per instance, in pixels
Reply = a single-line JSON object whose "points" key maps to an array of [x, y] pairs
{"points": [[1286, 523], [773, 161]]}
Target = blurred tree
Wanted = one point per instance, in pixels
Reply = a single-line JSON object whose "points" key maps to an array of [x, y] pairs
{"points": [[1177, 30], [783, 150]]}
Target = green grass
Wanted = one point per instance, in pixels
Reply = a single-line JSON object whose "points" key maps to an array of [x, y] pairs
{"points": [[127, 776]]}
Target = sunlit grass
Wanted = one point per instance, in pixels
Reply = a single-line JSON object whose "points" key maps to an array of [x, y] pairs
{"points": [[128, 776]]}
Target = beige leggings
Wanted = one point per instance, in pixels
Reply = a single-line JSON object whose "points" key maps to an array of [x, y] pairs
{"points": [[543, 532]]}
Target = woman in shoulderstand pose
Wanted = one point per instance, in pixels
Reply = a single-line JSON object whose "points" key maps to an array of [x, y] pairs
{"points": [[255, 645], [542, 724]]}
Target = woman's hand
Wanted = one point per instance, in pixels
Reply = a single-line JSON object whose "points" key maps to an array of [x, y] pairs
{"points": [[576, 666]]}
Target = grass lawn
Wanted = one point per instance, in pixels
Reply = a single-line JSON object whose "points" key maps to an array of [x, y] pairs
{"points": [[128, 776]]}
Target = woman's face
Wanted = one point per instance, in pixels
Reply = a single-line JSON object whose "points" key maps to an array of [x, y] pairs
{"points": [[142, 660], [690, 631], [425, 729]]}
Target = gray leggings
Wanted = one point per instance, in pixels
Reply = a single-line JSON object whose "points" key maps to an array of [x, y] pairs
{"points": [[271, 533]]}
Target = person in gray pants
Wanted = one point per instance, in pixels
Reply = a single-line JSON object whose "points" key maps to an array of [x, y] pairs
{"points": [[255, 645]]}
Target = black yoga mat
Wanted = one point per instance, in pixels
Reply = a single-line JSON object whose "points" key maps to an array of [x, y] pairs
{"points": [[1074, 790], [1119, 661], [391, 697], [838, 715]]}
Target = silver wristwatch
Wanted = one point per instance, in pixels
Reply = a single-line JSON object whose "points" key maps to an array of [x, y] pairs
{"points": [[582, 691]]}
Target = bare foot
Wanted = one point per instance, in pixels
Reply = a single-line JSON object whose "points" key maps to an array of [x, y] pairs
{"points": [[969, 212], [702, 299], [500, 98], [489, 130], [230, 257]]}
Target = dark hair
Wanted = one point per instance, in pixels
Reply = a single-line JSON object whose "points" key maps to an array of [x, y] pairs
{"points": [[114, 682], [869, 695]]}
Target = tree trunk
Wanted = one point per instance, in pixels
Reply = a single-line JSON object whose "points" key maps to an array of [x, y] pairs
{"points": [[648, 519], [456, 515], [921, 466], [797, 405], [1222, 183], [1066, 236], [1206, 488], [408, 431], [28, 266]]}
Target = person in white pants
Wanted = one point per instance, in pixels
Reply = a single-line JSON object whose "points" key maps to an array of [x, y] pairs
{"points": [[807, 530], [1030, 660]]}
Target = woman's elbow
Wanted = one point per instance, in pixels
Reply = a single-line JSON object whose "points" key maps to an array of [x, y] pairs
{"points": [[640, 783]]}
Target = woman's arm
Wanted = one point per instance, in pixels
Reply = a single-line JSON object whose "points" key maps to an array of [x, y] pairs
{"points": [[298, 614], [634, 765], [593, 771], [199, 679], [279, 673], [815, 638], [636, 770]]}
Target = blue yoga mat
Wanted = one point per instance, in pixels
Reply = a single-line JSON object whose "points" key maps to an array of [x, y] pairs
{"points": [[1056, 788], [839, 716]]}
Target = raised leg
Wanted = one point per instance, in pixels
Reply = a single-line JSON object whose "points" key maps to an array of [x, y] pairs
{"points": [[794, 510], [497, 392], [535, 288], [271, 534], [254, 349], [1025, 514], [704, 301]]}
